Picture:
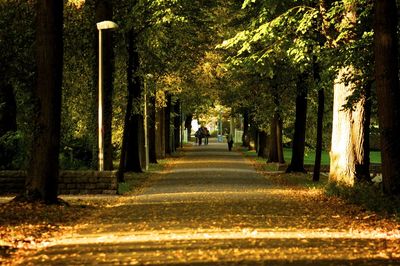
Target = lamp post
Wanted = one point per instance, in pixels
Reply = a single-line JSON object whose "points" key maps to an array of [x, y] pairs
{"points": [[103, 25]]}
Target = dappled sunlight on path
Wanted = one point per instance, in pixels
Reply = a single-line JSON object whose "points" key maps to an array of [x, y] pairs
{"points": [[212, 207]]}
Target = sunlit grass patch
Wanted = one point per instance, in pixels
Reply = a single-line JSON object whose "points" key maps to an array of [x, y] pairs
{"points": [[370, 196], [135, 182], [298, 180], [309, 156]]}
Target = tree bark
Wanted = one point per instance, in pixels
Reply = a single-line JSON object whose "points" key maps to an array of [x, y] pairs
{"points": [[276, 146], [168, 148], [279, 136], [104, 11], [299, 138], [177, 124], [387, 83], [133, 161], [347, 156], [152, 130], [262, 144], [129, 106], [160, 133], [43, 170], [348, 150], [320, 120], [246, 136]]}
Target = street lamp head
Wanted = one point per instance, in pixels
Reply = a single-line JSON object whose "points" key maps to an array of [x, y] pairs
{"points": [[106, 24]]}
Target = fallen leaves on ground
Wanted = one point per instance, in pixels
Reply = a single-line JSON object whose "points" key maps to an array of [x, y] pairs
{"points": [[25, 226]]}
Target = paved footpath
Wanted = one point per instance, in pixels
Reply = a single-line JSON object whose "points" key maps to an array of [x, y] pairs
{"points": [[213, 208]]}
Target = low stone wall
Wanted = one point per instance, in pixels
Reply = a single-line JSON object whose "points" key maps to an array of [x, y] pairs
{"points": [[70, 182]]}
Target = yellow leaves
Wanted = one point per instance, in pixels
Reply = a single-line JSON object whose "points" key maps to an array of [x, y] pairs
{"points": [[77, 3]]}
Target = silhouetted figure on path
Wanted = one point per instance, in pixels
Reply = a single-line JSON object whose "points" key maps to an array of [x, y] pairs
{"points": [[230, 141]]}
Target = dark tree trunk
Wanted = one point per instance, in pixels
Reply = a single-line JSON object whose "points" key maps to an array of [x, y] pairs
{"points": [[160, 133], [177, 124], [142, 146], [387, 83], [134, 151], [262, 144], [257, 140], [276, 144], [362, 170], [8, 109], [168, 149], [279, 137], [152, 130], [320, 120], [128, 111], [104, 11], [275, 154], [135, 127], [188, 126], [246, 136], [299, 138], [125, 136], [43, 170]]}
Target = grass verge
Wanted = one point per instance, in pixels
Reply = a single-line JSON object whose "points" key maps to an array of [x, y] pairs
{"points": [[367, 195], [135, 182]]}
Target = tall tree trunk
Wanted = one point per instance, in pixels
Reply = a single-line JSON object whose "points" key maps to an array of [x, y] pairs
{"points": [[246, 135], [104, 11], [168, 149], [273, 142], [142, 146], [299, 138], [347, 156], [276, 146], [133, 161], [279, 137], [160, 133], [152, 130], [125, 136], [320, 120], [387, 83], [362, 170], [42, 178], [128, 111], [177, 124], [262, 143], [257, 140]]}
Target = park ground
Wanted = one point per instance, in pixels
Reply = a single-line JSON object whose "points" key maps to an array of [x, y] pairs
{"points": [[206, 206]]}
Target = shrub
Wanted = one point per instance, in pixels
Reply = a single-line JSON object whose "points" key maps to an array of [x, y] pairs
{"points": [[13, 151]]}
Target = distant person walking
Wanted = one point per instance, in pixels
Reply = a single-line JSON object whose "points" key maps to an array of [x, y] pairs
{"points": [[206, 135], [199, 136], [230, 141]]}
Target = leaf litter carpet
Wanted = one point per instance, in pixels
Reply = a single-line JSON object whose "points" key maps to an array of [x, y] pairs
{"points": [[210, 207]]}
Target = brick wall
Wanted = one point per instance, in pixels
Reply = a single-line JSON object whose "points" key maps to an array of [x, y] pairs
{"points": [[70, 182]]}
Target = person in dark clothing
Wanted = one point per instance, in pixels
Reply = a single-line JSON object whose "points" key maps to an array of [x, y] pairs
{"points": [[230, 142], [199, 136]]}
